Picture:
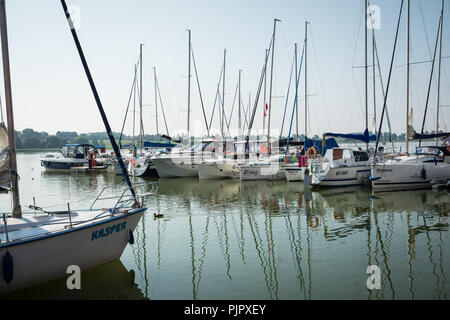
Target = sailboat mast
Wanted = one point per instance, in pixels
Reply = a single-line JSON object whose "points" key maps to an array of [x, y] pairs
{"points": [[374, 86], [265, 95], [239, 113], [156, 102], [365, 71], [189, 88], [17, 209], [407, 74], [296, 92], [134, 106], [271, 79], [439, 72], [306, 79], [141, 141], [223, 93]]}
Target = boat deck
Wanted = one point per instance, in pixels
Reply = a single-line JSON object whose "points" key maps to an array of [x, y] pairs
{"points": [[35, 225]]}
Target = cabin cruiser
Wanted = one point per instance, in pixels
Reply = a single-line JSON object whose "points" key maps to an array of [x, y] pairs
{"points": [[428, 165], [74, 156]]}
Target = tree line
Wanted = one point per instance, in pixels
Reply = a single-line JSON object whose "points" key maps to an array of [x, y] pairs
{"points": [[30, 139]]}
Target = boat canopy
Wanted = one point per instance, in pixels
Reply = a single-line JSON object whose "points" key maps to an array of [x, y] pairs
{"points": [[365, 137], [329, 144]]}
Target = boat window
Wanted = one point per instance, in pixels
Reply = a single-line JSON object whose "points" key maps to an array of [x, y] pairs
{"points": [[337, 154], [360, 156]]}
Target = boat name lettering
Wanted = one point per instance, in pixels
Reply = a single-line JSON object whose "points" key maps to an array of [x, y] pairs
{"points": [[341, 173], [104, 232]]}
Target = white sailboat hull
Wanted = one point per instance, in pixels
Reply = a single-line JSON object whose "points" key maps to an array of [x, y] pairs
{"points": [[271, 172], [176, 167], [217, 170], [341, 176], [86, 246], [294, 173], [408, 176]]}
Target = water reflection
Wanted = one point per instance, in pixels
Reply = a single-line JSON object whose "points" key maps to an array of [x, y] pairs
{"points": [[228, 239], [111, 281], [274, 240]]}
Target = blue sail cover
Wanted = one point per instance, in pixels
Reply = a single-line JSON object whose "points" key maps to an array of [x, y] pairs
{"points": [[366, 137], [329, 144]]}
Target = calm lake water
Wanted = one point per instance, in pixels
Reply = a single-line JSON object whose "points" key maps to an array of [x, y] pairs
{"points": [[257, 240]]}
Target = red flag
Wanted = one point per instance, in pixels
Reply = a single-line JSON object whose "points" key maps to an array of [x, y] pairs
{"points": [[267, 107]]}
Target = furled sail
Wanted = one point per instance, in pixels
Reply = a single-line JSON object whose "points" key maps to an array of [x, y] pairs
{"points": [[5, 170], [365, 137], [411, 132]]}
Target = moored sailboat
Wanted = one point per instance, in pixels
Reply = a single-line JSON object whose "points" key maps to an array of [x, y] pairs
{"points": [[40, 247]]}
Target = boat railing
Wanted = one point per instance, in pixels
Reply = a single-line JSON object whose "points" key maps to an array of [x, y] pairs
{"points": [[150, 188]]}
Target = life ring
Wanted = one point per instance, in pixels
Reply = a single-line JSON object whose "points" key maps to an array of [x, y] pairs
{"points": [[311, 224], [308, 153]]}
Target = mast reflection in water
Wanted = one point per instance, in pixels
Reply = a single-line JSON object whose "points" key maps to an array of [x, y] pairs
{"points": [[267, 240]]}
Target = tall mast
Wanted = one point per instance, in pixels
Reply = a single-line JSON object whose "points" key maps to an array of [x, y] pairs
{"points": [[156, 102], [189, 88], [439, 71], [407, 75], [271, 79], [374, 87], [365, 71], [134, 106], [223, 93], [141, 142], [306, 79], [239, 113], [265, 96], [17, 209], [296, 93]]}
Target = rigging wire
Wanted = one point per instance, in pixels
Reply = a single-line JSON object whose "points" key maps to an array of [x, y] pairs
{"points": [[320, 77], [287, 96], [199, 90]]}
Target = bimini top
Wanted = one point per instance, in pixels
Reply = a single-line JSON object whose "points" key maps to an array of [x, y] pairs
{"points": [[365, 137], [329, 144]]}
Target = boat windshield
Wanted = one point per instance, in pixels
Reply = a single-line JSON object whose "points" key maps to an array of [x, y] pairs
{"points": [[428, 151]]}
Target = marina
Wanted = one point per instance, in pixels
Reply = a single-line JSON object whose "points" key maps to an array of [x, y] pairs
{"points": [[197, 193], [227, 239]]}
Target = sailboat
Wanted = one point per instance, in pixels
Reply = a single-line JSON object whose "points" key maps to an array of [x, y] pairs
{"points": [[37, 248], [429, 164], [343, 167], [184, 159], [268, 168]]}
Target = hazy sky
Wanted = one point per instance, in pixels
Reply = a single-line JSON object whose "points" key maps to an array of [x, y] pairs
{"points": [[51, 92]]}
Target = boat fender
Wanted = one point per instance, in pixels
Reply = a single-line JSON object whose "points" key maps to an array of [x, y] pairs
{"points": [[423, 173], [8, 267], [131, 239]]}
